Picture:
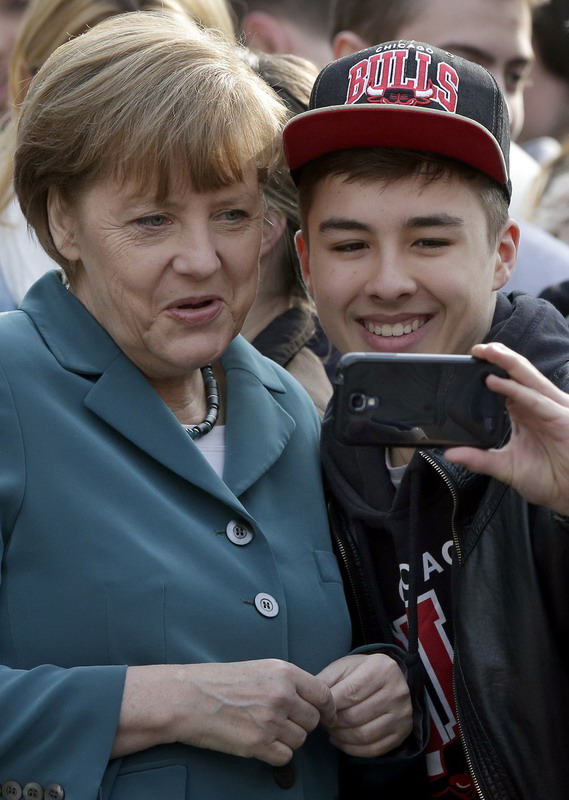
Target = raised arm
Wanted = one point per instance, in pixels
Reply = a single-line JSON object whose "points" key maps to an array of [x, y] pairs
{"points": [[535, 461]]}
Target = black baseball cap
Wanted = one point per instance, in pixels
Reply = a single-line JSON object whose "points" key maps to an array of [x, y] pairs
{"points": [[405, 94]]}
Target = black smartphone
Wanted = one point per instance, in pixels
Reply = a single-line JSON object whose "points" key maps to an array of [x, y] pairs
{"points": [[417, 400]]}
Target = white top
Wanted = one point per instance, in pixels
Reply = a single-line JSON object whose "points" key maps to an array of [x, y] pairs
{"points": [[395, 473], [22, 259], [212, 447]]}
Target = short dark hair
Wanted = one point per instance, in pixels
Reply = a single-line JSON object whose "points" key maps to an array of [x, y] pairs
{"points": [[314, 14], [372, 20], [391, 164], [380, 20], [551, 36]]}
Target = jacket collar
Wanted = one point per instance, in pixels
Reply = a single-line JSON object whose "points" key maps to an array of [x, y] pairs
{"points": [[258, 427]]}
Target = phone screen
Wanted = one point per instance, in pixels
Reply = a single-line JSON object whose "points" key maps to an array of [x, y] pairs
{"points": [[417, 401]]}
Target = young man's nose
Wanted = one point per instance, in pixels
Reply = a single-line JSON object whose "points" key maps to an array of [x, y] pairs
{"points": [[389, 279]]}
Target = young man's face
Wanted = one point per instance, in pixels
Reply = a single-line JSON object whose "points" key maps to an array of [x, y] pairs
{"points": [[494, 33], [403, 266]]}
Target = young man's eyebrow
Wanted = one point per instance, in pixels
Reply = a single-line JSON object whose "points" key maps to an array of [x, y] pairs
{"points": [[343, 224], [434, 221], [428, 221]]}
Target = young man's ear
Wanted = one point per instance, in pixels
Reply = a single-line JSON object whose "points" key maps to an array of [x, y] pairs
{"points": [[274, 225], [347, 42], [506, 254], [302, 252], [264, 32], [62, 225]]}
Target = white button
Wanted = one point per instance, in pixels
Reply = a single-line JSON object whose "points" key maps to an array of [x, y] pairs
{"points": [[238, 532], [266, 605]]}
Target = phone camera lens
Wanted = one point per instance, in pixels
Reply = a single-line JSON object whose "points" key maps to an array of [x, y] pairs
{"points": [[357, 402]]}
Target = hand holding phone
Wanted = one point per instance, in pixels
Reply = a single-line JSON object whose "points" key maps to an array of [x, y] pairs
{"points": [[417, 400]]}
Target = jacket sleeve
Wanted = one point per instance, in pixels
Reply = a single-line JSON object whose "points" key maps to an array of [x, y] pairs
{"points": [[58, 725]]}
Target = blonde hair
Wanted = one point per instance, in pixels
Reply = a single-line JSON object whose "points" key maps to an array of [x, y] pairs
{"points": [[140, 97], [49, 23]]}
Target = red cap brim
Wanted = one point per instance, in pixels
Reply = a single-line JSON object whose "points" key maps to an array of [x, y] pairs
{"points": [[325, 130]]}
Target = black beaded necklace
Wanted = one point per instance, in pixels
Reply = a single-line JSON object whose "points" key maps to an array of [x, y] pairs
{"points": [[212, 397]]}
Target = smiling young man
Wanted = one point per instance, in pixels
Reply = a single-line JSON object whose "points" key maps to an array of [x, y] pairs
{"points": [[459, 556], [497, 34]]}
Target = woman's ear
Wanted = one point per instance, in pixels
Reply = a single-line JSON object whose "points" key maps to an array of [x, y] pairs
{"points": [[62, 225], [274, 225], [506, 254]]}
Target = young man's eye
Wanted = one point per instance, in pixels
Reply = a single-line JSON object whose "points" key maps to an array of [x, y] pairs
{"points": [[349, 247], [432, 244]]}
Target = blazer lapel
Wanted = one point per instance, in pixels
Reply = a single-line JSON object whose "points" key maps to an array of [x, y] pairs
{"points": [[258, 427], [124, 399]]}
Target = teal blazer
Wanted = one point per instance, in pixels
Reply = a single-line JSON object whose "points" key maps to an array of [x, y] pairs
{"points": [[117, 548]]}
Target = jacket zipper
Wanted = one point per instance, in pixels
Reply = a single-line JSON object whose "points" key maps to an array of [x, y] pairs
{"points": [[350, 575], [449, 484]]}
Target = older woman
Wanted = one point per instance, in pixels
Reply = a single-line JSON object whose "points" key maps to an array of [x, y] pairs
{"points": [[172, 621], [46, 25]]}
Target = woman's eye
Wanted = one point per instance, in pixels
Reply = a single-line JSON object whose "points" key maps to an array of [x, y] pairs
{"points": [[152, 221], [235, 215]]}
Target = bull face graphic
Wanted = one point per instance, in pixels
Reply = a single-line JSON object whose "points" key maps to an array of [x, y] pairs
{"points": [[401, 95]]}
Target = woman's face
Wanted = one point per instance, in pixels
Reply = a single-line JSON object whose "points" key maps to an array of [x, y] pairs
{"points": [[171, 282]]}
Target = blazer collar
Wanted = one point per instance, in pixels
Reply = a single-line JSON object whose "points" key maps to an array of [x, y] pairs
{"points": [[72, 334], [258, 427]]}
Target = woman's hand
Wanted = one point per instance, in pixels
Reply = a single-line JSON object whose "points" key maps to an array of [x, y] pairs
{"points": [[373, 707], [535, 461], [256, 709]]}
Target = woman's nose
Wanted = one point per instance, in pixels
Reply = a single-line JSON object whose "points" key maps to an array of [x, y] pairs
{"points": [[196, 255]]}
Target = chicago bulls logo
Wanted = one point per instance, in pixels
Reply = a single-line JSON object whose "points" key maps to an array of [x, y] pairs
{"points": [[389, 78]]}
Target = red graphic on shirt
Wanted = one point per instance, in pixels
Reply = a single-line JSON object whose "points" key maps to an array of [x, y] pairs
{"points": [[437, 657]]}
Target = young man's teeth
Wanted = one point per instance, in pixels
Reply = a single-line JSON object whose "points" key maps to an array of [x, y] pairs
{"points": [[393, 330]]}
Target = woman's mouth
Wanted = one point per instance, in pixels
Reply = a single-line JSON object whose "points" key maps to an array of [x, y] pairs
{"points": [[195, 311]]}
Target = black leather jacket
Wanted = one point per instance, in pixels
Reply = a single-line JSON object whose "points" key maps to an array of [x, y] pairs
{"points": [[510, 588]]}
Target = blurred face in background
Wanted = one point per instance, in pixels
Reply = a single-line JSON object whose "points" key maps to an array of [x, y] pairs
{"points": [[11, 17], [494, 33]]}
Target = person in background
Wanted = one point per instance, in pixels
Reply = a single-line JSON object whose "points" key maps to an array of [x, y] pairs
{"points": [[461, 555], [547, 122], [546, 94], [11, 18], [497, 35], [172, 618], [296, 27], [47, 24], [282, 320], [545, 134]]}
